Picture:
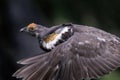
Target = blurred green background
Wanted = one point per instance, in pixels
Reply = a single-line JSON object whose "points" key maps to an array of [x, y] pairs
{"points": [[15, 14]]}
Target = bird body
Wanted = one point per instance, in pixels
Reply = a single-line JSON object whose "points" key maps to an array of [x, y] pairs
{"points": [[58, 36], [82, 52]]}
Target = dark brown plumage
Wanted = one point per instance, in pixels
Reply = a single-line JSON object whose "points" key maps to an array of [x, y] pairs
{"points": [[88, 53]]}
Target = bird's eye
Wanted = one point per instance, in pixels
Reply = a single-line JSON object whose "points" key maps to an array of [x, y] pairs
{"points": [[31, 29]]}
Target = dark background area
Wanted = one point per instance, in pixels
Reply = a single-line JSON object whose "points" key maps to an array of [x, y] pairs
{"points": [[15, 14]]}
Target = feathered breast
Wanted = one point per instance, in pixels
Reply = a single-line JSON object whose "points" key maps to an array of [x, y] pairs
{"points": [[58, 36]]}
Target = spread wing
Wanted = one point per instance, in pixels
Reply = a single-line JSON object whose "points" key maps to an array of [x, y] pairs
{"points": [[89, 53], [87, 56]]}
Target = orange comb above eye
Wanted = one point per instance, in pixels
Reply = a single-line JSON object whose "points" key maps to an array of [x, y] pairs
{"points": [[31, 25]]}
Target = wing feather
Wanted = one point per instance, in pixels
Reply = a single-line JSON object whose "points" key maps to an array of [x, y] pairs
{"points": [[66, 73], [93, 57], [32, 59], [74, 72]]}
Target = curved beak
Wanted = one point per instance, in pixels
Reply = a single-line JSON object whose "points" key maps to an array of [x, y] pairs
{"points": [[24, 29]]}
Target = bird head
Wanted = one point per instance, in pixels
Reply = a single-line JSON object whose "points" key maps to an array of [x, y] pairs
{"points": [[34, 30]]}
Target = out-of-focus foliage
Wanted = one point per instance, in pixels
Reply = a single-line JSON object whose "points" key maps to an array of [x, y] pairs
{"points": [[15, 14], [115, 75]]}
